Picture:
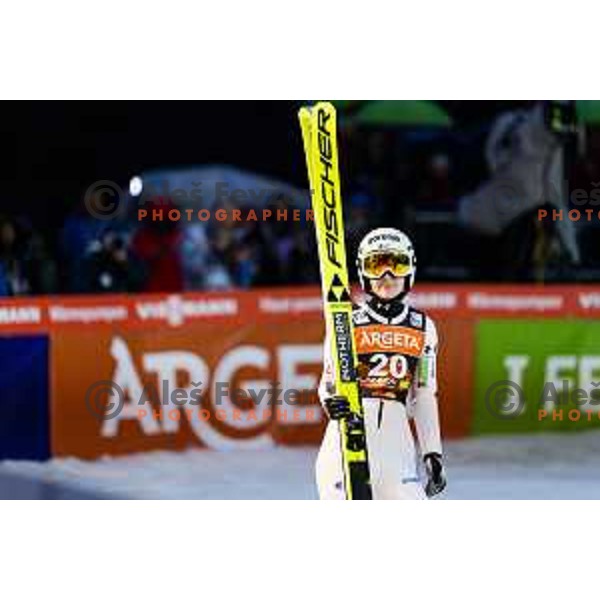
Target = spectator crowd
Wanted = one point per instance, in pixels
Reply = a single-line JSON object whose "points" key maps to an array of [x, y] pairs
{"points": [[91, 256], [411, 180]]}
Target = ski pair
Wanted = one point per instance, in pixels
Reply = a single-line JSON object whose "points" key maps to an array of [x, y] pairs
{"points": [[319, 133]]}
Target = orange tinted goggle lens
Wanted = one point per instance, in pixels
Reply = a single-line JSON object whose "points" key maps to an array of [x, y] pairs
{"points": [[377, 264]]}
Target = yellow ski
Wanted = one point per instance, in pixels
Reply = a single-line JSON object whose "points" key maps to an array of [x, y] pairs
{"points": [[319, 133]]}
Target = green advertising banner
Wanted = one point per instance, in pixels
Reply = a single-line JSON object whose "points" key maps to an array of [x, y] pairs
{"points": [[536, 375]]}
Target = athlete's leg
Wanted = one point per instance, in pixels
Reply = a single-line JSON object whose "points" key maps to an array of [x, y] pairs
{"points": [[329, 469], [392, 453]]}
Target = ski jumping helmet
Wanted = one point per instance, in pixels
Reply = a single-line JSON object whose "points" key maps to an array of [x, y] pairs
{"points": [[386, 250]]}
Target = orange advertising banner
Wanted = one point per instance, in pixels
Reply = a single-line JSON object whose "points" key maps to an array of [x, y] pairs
{"points": [[116, 392], [242, 372], [235, 369]]}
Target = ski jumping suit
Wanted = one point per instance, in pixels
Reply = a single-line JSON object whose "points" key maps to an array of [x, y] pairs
{"points": [[396, 346]]}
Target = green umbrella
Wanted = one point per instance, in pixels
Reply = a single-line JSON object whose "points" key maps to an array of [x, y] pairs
{"points": [[403, 113], [588, 111], [349, 106]]}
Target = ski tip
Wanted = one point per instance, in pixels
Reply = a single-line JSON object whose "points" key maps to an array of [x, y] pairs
{"points": [[304, 112], [326, 105], [323, 104]]}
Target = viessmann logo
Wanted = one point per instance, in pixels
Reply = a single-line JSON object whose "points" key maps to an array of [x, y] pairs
{"points": [[589, 300], [174, 310], [16, 315]]}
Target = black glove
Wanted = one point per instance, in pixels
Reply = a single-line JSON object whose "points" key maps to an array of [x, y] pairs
{"points": [[436, 478], [337, 407]]}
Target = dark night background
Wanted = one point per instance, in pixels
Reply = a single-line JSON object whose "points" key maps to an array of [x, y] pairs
{"points": [[411, 176], [51, 151], [54, 150]]}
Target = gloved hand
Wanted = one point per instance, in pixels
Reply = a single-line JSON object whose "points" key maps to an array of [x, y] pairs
{"points": [[436, 478], [337, 407]]}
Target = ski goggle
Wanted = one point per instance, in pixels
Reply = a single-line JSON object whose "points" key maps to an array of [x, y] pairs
{"points": [[375, 265]]}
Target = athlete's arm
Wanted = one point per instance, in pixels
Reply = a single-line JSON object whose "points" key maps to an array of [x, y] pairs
{"points": [[425, 411]]}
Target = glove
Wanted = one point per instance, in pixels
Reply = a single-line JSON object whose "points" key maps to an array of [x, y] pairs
{"points": [[436, 478], [337, 407]]}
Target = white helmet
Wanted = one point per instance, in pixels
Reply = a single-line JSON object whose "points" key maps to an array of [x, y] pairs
{"points": [[386, 250]]}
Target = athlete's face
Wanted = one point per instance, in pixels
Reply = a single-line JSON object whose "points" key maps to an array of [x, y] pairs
{"points": [[387, 287]]}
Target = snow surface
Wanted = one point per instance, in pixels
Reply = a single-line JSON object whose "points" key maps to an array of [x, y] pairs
{"points": [[545, 466]]}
